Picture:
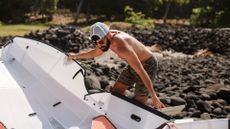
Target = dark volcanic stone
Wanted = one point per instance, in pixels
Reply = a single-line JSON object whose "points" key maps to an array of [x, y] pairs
{"points": [[224, 93], [216, 104], [196, 114], [175, 101], [191, 109], [191, 97], [227, 109], [217, 111], [191, 104], [205, 96], [106, 70], [189, 89], [205, 116], [221, 101], [92, 82], [213, 96], [203, 106], [165, 101], [180, 115], [104, 83]]}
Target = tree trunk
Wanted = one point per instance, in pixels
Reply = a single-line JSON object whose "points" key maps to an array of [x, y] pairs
{"points": [[167, 11], [88, 13], [78, 11]]}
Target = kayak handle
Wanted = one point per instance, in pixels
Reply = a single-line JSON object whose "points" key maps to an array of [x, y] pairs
{"points": [[135, 117]]}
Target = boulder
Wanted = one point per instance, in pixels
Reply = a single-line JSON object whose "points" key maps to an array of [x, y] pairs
{"points": [[175, 101]]}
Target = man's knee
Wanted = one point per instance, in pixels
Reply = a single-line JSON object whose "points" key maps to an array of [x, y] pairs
{"points": [[119, 87], [141, 98]]}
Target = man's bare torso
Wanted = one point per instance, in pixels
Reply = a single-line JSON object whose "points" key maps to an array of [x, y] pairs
{"points": [[142, 52]]}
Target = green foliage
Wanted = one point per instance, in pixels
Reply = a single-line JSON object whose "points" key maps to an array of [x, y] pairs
{"points": [[207, 17], [49, 6], [136, 17], [154, 4], [213, 14], [199, 16], [182, 2]]}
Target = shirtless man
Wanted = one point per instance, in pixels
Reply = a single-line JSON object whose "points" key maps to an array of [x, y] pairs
{"points": [[142, 65]]}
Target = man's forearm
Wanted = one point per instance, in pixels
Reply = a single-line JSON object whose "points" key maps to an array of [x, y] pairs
{"points": [[84, 56], [147, 82], [87, 55]]}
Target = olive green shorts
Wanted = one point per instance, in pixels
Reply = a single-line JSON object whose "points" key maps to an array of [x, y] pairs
{"points": [[130, 78]]}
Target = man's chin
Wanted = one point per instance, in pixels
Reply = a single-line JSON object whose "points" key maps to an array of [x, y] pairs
{"points": [[104, 49]]}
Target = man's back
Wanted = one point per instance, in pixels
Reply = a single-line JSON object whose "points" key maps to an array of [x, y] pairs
{"points": [[141, 51]]}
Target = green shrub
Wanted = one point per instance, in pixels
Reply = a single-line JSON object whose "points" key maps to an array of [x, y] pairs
{"points": [[208, 17], [136, 17], [201, 16]]}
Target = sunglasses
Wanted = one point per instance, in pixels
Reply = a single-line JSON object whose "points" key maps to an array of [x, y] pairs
{"points": [[97, 39]]}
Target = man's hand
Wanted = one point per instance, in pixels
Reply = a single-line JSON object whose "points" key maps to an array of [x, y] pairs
{"points": [[157, 103], [70, 56]]}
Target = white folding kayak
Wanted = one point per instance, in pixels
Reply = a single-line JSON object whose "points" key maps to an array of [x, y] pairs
{"points": [[39, 89]]}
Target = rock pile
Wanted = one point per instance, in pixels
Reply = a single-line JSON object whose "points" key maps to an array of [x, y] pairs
{"points": [[202, 83], [178, 38], [185, 39], [66, 38]]}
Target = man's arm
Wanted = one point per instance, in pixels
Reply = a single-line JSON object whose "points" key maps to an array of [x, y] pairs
{"points": [[91, 54]]}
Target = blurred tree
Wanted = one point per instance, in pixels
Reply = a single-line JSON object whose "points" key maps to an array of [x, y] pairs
{"points": [[211, 13], [101, 8], [169, 2], [79, 5], [13, 11], [156, 4], [46, 8]]}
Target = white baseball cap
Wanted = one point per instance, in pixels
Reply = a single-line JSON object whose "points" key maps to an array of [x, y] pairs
{"points": [[99, 29]]}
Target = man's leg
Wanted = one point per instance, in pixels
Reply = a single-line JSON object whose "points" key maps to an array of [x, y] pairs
{"points": [[119, 87], [141, 92], [124, 81]]}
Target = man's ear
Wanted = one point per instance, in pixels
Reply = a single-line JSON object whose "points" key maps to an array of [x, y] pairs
{"points": [[108, 35]]}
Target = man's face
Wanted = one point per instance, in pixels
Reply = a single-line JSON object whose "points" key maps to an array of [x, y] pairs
{"points": [[103, 44]]}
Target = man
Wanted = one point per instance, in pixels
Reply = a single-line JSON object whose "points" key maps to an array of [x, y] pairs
{"points": [[141, 67]]}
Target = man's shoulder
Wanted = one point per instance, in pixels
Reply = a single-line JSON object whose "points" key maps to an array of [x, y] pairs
{"points": [[114, 30]]}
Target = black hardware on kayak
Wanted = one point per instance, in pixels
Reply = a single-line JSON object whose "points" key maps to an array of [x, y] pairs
{"points": [[135, 117], [56, 104], [32, 114], [79, 71], [27, 47]]}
